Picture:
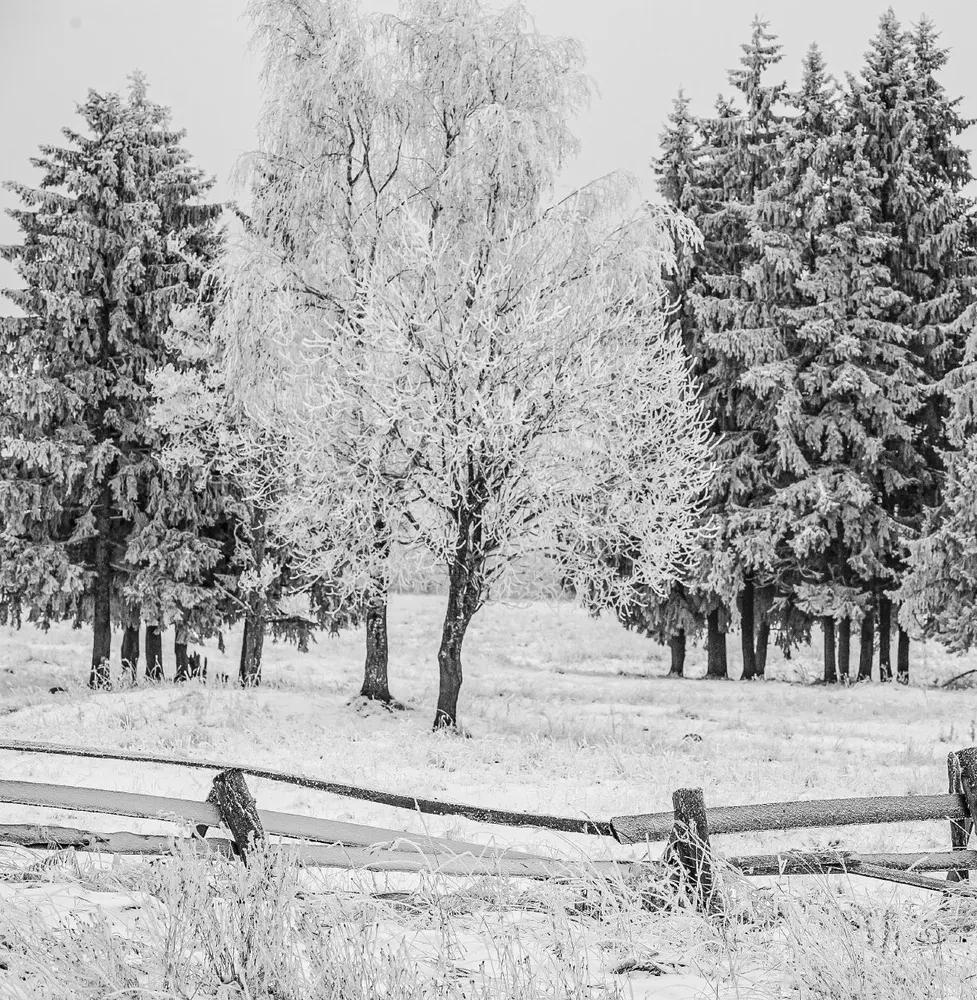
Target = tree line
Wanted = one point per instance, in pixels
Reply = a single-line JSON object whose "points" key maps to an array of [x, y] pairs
{"points": [[828, 318], [404, 349], [749, 407]]}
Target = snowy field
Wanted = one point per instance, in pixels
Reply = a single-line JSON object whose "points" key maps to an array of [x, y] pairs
{"points": [[567, 715]]}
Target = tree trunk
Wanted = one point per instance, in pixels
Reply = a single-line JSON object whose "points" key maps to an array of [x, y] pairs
{"points": [[866, 647], [101, 677], [464, 593], [130, 653], [249, 672], [154, 653], [716, 647], [252, 643], [181, 637], [746, 631], [902, 657], [676, 644], [763, 604], [375, 684], [885, 638], [844, 650], [762, 645], [830, 665]]}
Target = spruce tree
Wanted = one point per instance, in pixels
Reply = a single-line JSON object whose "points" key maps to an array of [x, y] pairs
{"points": [[680, 614], [101, 273], [912, 129], [739, 159]]}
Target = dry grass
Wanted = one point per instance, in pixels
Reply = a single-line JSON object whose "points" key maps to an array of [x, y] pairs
{"points": [[568, 715]]}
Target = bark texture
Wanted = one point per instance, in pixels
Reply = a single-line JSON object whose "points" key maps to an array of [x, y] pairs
{"points": [[130, 653], [676, 645], [747, 630], [238, 810], [960, 829], [100, 677], [830, 663], [716, 646], [844, 650], [688, 844], [762, 646], [866, 651], [464, 595], [154, 653], [885, 639], [902, 657], [375, 683], [181, 637], [252, 643]]}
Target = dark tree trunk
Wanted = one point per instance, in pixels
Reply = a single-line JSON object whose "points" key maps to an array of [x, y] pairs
{"points": [[375, 684], [716, 647], [252, 643], [249, 672], [676, 644], [100, 677], [885, 638], [830, 665], [844, 650], [130, 653], [763, 605], [154, 653], [181, 636], [866, 647], [746, 631], [902, 657], [762, 645], [464, 595]]}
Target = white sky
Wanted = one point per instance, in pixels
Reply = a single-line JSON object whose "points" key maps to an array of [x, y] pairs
{"points": [[194, 53]]}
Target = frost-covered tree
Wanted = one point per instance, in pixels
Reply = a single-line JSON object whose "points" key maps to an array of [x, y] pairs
{"points": [[228, 474], [101, 276], [832, 378], [326, 179], [912, 130], [738, 160], [461, 367]]}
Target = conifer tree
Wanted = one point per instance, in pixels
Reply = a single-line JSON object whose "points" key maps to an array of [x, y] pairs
{"points": [[831, 379], [227, 475], [738, 160], [912, 129], [101, 277], [680, 614]]}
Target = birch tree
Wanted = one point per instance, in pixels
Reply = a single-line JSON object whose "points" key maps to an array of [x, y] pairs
{"points": [[459, 365]]}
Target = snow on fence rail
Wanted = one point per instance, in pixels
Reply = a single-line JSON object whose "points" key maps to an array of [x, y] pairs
{"points": [[687, 828]]}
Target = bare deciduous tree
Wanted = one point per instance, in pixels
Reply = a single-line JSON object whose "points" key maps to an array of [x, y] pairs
{"points": [[458, 365]]}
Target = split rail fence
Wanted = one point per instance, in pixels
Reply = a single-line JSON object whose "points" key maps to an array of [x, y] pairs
{"points": [[687, 829]]}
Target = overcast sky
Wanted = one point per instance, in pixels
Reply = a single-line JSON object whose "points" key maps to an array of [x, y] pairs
{"points": [[195, 54]]}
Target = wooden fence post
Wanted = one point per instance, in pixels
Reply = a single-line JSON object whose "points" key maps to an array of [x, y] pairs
{"points": [[962, 772], [688, 844], [238, 810]]}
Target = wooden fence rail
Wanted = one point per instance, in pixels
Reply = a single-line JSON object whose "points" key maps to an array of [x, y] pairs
{"points": [[433, 807], [687, 828], [158, 807], [795, 815]]}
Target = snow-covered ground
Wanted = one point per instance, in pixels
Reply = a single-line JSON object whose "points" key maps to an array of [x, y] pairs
{"points": [[567, 715]]}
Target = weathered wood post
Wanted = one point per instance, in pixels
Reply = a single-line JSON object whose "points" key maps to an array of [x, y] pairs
{"points": [[962, 772], [688, 844], [238, 811]]}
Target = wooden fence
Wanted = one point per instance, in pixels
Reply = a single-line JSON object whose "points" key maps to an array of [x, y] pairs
{"points": [[687, 829]]}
